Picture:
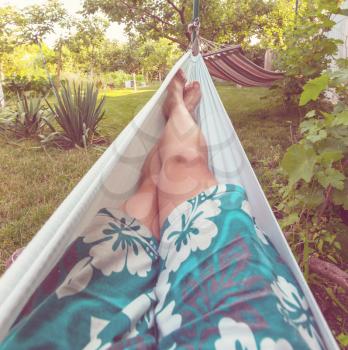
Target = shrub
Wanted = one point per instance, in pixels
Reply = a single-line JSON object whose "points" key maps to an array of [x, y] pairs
{"points": [[315, 201], [78, 112], [308, 49], [116, 79], [18, 85], [27, 119]]}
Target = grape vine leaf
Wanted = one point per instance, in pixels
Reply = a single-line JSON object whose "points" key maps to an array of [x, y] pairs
{"points": [[331, 176], [298, 163], [341, 197], [341, 119], [291, 219], [311, 114], [313, 89], [321, 135], [328, 157]]}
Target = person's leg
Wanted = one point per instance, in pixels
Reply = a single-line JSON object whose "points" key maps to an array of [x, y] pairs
{"points": [[183, 151], [143, 204]]}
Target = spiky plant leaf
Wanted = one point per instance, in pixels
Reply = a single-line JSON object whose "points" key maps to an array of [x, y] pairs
{"points": [[78, 112]]}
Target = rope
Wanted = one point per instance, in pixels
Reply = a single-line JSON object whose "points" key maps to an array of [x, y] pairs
{"points": [[195, 19], [193, 29], [208, 45]]}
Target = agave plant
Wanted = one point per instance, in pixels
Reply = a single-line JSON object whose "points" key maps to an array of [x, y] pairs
{"points": [[30, 118], [78, 112], [26, 119]]}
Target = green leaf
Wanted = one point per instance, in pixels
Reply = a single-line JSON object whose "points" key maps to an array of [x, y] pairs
{"points": [[298, 163], [329, 157], [331, 177], [313, 199], [341, 119], [331, 293], [313, 89], [308, 125], [341, 197], [311, 114], [321, 135], [289, 220], [343, 337]]}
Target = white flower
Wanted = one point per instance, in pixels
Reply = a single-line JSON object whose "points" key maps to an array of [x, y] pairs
{"points": [[97, 325], [162, 288], [120, 243], [235, 336], [313, 341], [135, 310], [190, 229], [168, 322], [77, 279], [291, 304], [296, 311], [238, 336], [270, 344]]}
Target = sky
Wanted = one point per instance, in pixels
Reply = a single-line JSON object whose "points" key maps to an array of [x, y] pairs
{"points": [[114, 32]]}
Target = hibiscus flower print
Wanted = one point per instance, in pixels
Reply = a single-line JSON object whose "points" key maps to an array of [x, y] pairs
{"points": [[296, 311], [167, 320], [236, 335], [119, 243], [190, 229]]}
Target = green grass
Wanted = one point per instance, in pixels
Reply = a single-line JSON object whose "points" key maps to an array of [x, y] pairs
{"points": [[34, 181]]}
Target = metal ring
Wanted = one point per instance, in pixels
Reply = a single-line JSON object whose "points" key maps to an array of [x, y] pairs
{"points": [[196, 22]]}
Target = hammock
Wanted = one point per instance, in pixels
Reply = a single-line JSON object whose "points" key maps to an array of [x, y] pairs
{"points": [[229, 63], [114, 177]]}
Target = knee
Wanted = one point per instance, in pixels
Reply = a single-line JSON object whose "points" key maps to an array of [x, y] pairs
{"points": [[187, 157]]}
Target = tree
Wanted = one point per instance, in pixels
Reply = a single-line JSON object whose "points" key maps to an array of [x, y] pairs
{"points": [[88, 42], [24, 70], [276, 24], [158, 56], [27, 27], [231, 21], [42, 19], [10, 23], [306, 49]]}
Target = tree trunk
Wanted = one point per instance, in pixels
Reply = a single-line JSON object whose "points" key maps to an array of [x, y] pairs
{"points": [[268, 60], [135, 82], [329, 271], [59, 64], [2, 95]]}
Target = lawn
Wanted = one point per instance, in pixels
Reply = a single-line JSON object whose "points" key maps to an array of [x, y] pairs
{"points": [[34, 181]]}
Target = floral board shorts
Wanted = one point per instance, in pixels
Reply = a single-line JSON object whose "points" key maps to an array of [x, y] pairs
{"points": [[213, 282]]}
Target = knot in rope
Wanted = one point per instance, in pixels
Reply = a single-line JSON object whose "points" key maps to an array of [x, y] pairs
{"points": [[193, 29]]}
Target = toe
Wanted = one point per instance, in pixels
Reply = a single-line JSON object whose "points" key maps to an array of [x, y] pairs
{"points": [[196, 85], [188, 87], [181, 75]]}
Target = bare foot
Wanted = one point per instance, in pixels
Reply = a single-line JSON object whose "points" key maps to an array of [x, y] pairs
{"points": [[192, 96], [175, 93]]}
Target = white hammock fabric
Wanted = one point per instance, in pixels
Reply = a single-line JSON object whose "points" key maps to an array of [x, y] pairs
{"points": [[114, 177]]}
